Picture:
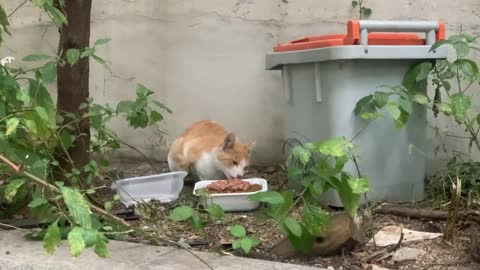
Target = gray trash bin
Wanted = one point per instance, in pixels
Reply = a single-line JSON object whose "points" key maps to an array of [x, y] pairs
{"points": [[325, 76]]}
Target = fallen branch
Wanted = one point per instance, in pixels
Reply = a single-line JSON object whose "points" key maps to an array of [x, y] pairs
{"points": [[420, 213]]}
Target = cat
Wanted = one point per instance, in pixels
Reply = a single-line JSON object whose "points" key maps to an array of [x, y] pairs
{"points": [[209, 152]]}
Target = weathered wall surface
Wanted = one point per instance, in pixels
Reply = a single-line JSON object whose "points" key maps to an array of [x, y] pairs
{"points": [[205, 59]]}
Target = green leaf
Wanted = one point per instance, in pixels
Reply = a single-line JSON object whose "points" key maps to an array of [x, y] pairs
{"points": [[75, 241], [99, 60], [49, 72], [12, 124], [302, 154], [406, 105], [37, 201], [393, 110], [302, 244], [365, 107], [335, 147], [58, 17], [4, 24], [439, 44], [162, 106], [381, 98], [317, 189], [143, 91], [67, 139], [77, 207], [181, 213], [73, 55], [102, 41], [42, 113], [215, 211], [412, 79], [445, 108], [101, 248], [108, 206], [461, 48], [358, 185], [294, 172], [354, 4], [3, 110], [271, 197], [460, 104], [155, 117], [467, 67], [402, 120], [52, 238], [423, 69], [366, 11], [236, 244], [126, 106], [36, 57], [341, 161], [315, 220], [238, 231], [87, 52], [277, 211], [39, 3], [420, 99], [197, 223], [293, 226], [12, 188], [246, 244]]}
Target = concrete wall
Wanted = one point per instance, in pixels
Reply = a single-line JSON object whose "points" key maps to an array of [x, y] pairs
{"points": [[205, 59]]}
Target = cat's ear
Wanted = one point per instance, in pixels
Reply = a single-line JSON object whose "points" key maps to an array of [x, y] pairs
{"points": [[229, 142]]}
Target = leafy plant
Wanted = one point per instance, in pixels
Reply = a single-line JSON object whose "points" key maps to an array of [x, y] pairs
{"points": [[187, 213], [318, 167], [363, 11], [452, 80], [35, 139], [241, 240]]}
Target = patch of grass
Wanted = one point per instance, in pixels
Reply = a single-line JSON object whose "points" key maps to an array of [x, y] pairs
{"points": [[439, 187]]}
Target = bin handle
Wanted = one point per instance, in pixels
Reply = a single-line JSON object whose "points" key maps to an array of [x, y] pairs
{"points": [[434, 30]]}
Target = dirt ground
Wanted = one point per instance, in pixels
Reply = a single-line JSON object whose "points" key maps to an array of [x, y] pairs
{"points": [[215, 237]]}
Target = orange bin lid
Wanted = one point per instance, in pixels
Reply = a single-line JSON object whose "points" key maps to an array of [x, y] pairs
{"points": [[353, 38]]}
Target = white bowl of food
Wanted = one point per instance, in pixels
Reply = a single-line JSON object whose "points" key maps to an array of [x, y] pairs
{"points": [[165, 187], [231, 195]]}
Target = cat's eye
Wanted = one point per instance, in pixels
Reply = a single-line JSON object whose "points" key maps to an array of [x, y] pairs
{"points": [[235, 163]]}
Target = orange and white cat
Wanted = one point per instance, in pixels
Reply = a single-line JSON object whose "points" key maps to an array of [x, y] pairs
{"points": [[207, 150]]}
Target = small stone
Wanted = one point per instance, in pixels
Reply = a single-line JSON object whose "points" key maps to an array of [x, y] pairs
{"points": [[408, 254]]}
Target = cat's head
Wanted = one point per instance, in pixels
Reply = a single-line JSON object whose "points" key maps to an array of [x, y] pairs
{"points": [[234, 156]]}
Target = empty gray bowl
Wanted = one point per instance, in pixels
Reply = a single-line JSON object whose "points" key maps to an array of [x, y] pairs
{"points": [[165, 187]]}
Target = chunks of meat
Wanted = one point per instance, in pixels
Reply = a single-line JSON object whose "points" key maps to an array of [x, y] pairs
{"points": [[232, 186]]}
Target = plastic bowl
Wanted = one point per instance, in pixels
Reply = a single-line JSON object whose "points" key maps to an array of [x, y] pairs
{"points": [[165, 187], [231, 202]]}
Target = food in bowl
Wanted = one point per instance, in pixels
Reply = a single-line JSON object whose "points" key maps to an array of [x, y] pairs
{"points": [[231, 186]]}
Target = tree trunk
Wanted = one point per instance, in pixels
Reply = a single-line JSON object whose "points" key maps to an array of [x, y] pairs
{"points": [[73, 81]]}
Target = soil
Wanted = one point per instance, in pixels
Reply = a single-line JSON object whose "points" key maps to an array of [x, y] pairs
{"points": [[215, 237]]}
